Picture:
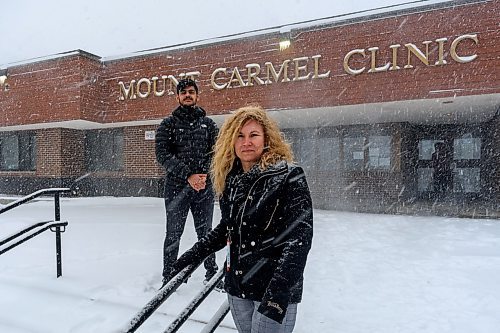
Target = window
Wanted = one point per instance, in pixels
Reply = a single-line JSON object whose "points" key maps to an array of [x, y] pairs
{"points": [[329, 153], [467, 148], [379, 152], [425, 176], [18, 152], [354, 155], [304, 151], [467, 180], [372, 152], [104, 150], [303, 146], [426, 148]]}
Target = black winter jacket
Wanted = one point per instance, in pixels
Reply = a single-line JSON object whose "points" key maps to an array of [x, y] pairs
{"points": [[184, 143], [268, 217]]}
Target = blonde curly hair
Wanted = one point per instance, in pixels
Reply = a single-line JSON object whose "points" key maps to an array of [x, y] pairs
{"points": [[275, 146]]}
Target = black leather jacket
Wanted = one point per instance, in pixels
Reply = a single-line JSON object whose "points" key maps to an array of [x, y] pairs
{"points": [[184, 143], [268, 217]]}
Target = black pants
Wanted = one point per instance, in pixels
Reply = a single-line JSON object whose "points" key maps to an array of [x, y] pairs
{"points": [[178, 201]]}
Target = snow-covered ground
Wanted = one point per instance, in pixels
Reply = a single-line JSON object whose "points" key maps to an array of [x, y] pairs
{"points": [[366, 273]]}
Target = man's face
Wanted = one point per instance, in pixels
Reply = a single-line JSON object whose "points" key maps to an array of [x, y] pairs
{"points": [[187, 96]]}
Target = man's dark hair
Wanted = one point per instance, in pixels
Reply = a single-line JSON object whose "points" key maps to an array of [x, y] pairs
{"points": [[184, 83]]}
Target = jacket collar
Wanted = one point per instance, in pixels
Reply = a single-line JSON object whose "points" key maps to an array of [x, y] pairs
{"points": [[255, 172], [189, 113]]}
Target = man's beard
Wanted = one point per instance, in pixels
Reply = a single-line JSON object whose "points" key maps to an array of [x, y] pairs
{"points": [[183, 103]]}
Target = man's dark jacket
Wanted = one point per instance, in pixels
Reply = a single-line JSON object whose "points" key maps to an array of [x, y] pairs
{"points": [[184, 143], [269, 218]]}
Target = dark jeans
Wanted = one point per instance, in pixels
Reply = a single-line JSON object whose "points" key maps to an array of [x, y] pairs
{"points": [[178, 201]]}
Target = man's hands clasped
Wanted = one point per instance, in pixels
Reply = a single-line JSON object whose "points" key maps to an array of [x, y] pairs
{"points": [[198, 181]]}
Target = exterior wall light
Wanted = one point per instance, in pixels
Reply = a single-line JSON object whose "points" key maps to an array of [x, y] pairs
{"points": [[285, 39], [3, 80], [284, 44]]}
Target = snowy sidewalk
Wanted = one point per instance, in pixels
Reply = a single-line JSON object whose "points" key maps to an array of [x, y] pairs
{"points": [[366, 273]]}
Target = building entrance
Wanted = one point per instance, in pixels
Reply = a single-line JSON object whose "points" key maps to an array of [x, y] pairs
{"points": [[449, 165]]}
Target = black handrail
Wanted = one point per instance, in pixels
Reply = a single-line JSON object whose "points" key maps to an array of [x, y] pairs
{"points": [[216, 318], [33, 226], [55, 191], [55, 226], [159, 298], [168, 290], [195, 302], [46, 226]]}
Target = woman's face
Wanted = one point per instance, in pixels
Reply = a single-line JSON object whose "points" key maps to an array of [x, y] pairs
{"points": [[249, 145]]}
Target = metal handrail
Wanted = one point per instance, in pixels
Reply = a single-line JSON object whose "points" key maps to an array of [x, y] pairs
{"points": [[46, 226], [167, 290], [216, 318], [195, 302], [55, 191], [33, 226], [162, 295], [55, 226]]}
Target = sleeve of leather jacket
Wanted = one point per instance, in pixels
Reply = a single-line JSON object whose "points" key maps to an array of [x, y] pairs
{"points": [[297, 240], [165, 154], [210, 243]]}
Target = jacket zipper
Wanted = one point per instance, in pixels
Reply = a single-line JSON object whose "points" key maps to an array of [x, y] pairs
{"points": [[274, 210], [246, 200]]}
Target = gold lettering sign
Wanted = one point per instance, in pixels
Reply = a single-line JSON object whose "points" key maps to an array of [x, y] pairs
{"points": [[412, 52], [302, 68], [143, 87], [308, 68]]}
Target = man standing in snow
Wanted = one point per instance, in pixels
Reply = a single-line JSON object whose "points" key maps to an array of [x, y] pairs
{"points": [[183, 145]]}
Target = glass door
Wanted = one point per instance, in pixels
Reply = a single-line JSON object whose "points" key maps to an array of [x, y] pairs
{"points": [[466, 164], [449, 166], [435, 163]]}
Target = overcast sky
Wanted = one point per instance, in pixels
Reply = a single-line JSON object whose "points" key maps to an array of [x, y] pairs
{"points": [[110, 28]]}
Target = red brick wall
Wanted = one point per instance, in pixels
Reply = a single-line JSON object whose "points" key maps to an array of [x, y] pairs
{"points": [[48, 157], [60, 153], [72, 153], [333, 43], [50, 91], [80, 87], [91, 103], [140, 159]]}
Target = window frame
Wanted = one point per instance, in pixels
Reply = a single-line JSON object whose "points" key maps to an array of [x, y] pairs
{"points": [[100, 155], [26, 151]]}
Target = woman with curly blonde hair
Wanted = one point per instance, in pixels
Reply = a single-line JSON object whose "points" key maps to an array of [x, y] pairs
{"points": [[266, 223], [275, 146]]}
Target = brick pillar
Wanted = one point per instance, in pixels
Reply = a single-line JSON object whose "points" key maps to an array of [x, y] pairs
{"points": [[48, 161]]}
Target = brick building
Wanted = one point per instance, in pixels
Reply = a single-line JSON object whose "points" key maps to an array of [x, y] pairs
{"points": [[363, 100]]}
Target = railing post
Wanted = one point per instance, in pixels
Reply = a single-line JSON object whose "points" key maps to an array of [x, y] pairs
{"points": [[57, 207], [58, 252], [57, 213]]}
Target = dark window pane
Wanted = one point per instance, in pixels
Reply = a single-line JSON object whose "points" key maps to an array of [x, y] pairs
{"points": [[467, 148], [104, 150], [10, 152], [18, 152], [329, 156], [379, 152], [354, 155]]}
